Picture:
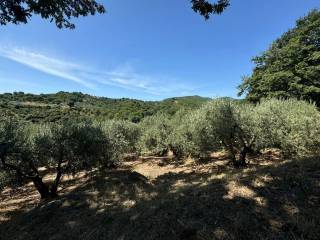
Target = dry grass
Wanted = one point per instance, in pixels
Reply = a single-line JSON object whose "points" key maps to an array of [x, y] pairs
{"points": [[156, 198]]}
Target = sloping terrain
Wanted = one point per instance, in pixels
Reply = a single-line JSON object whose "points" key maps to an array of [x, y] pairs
{"points": [[161, 199], [65, 105]]}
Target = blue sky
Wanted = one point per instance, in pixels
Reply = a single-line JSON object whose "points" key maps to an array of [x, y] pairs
{"points": [[145, 49]]}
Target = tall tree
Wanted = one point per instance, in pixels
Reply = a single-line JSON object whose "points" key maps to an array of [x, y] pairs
{"points": [[61, 11], [290, 67]]}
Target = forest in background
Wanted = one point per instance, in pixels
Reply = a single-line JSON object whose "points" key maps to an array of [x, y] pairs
{"points": [[63, 105]]}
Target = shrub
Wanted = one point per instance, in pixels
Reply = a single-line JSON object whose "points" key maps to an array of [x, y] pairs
{"points": [[68, 148], [183, 139], [229, 124], [7, 179], [291, 125], [177, 133], [155, 131], [122, 136]]}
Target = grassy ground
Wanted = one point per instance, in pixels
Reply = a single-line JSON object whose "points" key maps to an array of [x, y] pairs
{"points": [[159, 199]]}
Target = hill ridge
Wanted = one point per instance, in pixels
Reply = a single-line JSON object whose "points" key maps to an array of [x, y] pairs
{"points": [[53, 107]]}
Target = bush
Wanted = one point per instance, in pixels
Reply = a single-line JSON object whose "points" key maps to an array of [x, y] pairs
{"points": [[291, 125], [80, 144], [123, 137], [155, 131], [177, 133], [67, 148], [228, 124], [183, 140], [5, 179]]}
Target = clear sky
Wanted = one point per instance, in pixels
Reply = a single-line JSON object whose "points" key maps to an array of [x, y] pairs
{"points": [[145, 49]]}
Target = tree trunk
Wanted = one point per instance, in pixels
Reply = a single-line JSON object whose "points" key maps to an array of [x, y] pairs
{"points": [[41, 187], [54, 187], [242, 157], [233, 155]]}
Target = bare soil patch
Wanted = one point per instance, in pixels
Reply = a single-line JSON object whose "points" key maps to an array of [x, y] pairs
{"points": [[159, 198]]}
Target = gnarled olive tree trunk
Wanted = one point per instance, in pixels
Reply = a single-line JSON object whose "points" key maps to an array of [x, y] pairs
{"points": [[41, 187], [241, 161], [44, 190]]}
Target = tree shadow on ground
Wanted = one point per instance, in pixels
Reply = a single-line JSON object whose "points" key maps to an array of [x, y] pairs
{"points": [[277, 201]]}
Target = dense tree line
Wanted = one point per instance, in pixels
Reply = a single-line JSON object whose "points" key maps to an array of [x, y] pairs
{"points": [[239, 128], [290, 67], [64, 148], [63, 105]]}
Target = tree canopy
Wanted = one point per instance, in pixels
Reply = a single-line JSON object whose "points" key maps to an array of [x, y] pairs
{"points": [[205, 8], [290, 67], [71, 146], [61, 11]]}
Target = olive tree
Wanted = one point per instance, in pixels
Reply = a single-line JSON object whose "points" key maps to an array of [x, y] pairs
{"points": [[154, 134], [290, 125], [122, 136], [7, 179], [162, 133], [184, 138], [229, 124], [206, 8], [15, 152], [58, 11], [67, 148]]}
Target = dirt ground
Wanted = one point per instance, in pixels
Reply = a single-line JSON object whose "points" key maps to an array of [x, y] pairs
{"points": [[159, 198]]}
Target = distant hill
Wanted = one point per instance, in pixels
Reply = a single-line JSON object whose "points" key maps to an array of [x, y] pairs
{"points": [[64, 105]]}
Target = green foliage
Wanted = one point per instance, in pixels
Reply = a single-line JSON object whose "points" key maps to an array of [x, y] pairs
{"points": [[154, 134], [290, 67], [241, 128], [291, 125], [8, 179], [229, 124], [62, 106], [182, 140], [3, 179], [67, 147], [14, 144], [59, 11], [205, 8], [72, 144], [122, 136]]}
